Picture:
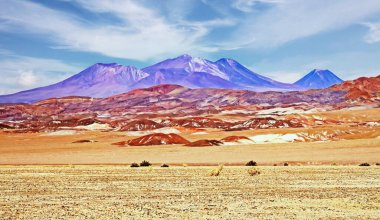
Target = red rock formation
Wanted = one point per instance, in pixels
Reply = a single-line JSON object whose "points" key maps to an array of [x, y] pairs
{"points": [[361, 88], [158, 139], [86, 121], [67, 99], [141, 125], [5, 126], [196, 122], [263, 123], [356, 93], [234, 138], [204, 143], [120, 143], [173, 101]]}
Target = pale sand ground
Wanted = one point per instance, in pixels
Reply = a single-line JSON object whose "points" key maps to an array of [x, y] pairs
{"points": [[36, 149], [121, 192]]}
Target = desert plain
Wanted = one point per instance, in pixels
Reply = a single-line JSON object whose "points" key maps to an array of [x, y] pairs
{"points": [[122, 192], [47, 175], [344, 144]]}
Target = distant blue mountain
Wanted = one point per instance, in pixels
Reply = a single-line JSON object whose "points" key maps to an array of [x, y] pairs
{"points": [[318, 79], [98, 80], [244, 77]]}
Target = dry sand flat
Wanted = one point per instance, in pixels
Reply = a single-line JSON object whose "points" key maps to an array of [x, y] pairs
{"points": [[121, 192], [350, 144], [37, 149]]}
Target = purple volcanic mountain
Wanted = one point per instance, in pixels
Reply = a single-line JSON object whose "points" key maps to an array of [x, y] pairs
{"points": [[98, 80], [235, 72], [103, 80], [200, 73], [186, 71], [318, 79]]}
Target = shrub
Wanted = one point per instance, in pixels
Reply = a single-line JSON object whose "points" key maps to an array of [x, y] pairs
{"points": [[253, 171], [275, 164], [83, 141], [377, 164], [134, 165], [145, 164], [251, 163], [364, 165], [216, 171], [286, 164], [164, 165]]}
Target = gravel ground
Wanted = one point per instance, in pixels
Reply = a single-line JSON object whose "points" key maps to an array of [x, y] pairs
{"points": [[121, 192]]}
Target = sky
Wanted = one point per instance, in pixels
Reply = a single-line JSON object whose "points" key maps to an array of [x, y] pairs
{"points": [[46, 41]]}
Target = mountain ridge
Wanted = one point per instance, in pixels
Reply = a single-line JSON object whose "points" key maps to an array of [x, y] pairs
{"points": [[318, 79], [106, 79]]}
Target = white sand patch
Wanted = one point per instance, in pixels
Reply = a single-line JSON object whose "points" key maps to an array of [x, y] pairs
{"points": [[317, 117], [236, 111], [276, 138], [362, 107], [159, 130], [373, 124], [94, 126], [284, 111], [199, 133], [105, 115], [61, 133]]}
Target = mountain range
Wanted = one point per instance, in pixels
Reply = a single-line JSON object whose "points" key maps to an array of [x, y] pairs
{"points": [[169, 101], [103, 80]]}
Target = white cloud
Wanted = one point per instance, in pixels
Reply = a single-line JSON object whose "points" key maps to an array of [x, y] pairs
{"points": [[21, 72], [373, 35], [141, 34], [27, 78], [144, 33], [295, 19], [285, 76], [247, 5]]}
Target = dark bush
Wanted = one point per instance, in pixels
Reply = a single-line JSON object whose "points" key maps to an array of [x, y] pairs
{"points": [[364, 165], [145, 164], [377, 164], [134, 165], [286, 164], [275, 164], [84, 141], [251, 163], [164, 165]]}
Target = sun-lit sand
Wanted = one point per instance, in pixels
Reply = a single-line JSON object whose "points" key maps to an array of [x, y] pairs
{"points": [[121, 192]]}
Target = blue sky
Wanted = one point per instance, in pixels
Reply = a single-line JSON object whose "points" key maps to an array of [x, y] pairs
{"points": [[45, 41]]}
